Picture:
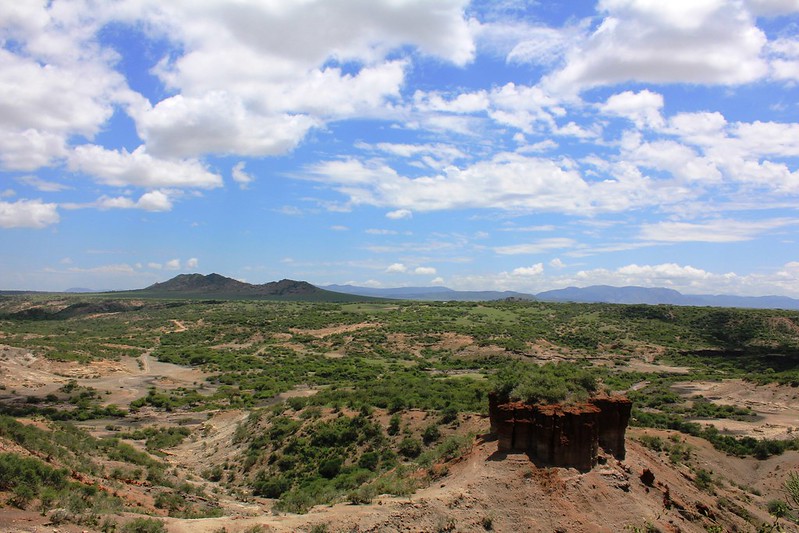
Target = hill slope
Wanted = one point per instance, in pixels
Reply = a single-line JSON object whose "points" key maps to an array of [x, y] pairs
{"points": [[217, 286]]}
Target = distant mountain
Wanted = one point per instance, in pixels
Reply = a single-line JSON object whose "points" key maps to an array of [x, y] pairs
{"points": [[592, 294], [429, 293], [80, 290], [220, 287], [614, 295], [654, 296]]}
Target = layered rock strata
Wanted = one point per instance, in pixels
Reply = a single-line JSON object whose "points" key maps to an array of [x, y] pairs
{"points": [[563, 436]]}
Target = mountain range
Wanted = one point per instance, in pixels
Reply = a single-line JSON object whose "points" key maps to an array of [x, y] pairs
{"points": [[592, 294], [216, 286]]}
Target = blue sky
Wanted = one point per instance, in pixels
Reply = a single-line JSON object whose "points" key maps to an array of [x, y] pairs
{"points": [[505, 145]]}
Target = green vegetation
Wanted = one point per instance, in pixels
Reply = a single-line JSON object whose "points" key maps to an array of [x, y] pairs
{"points": [[547, 384], [388, 385]]}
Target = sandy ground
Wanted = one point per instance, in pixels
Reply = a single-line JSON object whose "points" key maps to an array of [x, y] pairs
{"points": [[25, 373], [777, 406]]}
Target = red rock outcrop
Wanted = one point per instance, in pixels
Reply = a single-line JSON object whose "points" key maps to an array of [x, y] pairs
{"points": [[564, 436]]}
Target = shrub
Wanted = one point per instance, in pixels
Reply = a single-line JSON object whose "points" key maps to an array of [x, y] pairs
{"points": [[778, 508], [431, 434], [410, 447], [144, 525], [369, 461], [270, 486], [330, 468]]}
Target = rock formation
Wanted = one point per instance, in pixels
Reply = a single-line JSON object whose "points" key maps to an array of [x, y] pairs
{"points": [[558, 435]]}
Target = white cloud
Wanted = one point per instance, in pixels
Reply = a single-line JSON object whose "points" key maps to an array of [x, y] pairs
{"points": [[150, 201], [339, 228], [773, 7], [28, 214], [436, 156], [155, 266], [399, 214], [192, 263], [643, 108], [396, 268], [154, 201], [277, 89], [679, 160], [172, 264], [220, 123], [535, 270], [43, 185], [240, 176], [538, 247], [138, 168], [721, 230], [507, 181], [120, 268], [437, 281], [707, 41], [425, 271], [557, 263]]}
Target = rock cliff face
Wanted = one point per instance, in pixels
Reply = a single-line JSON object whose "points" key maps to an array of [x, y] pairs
{"points": [[564, 436]]}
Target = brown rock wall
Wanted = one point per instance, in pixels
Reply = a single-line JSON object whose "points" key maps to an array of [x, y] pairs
{"points": [[563, 436]]}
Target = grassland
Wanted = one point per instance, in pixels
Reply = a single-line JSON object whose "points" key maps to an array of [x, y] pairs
{"points": [[336, 401]]}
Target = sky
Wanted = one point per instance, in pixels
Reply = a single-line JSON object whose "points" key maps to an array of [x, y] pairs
{"points": [[488, 145]]}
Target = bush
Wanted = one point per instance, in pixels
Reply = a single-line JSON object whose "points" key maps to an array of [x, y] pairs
{"points": [[270, 486], [330, 468], [369, 461], [431, 434], [410, 447], [144, 525], [778, 508]]}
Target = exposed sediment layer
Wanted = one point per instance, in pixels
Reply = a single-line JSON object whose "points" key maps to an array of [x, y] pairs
{"points": [[563, 436]]}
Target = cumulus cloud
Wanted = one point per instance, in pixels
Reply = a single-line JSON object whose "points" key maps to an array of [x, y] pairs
{"points": [[425, 271], [535, 270], [240, 176], [507, 181], [154, 201], [709, 41], [150, 201], [771, 8], [192, 263], [121, 168], [28, 214], [396, 268], [643, 108], [172, 264], [285, 79]]}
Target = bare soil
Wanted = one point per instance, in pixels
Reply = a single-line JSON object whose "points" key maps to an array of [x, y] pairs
{"points": [[776, 406]]}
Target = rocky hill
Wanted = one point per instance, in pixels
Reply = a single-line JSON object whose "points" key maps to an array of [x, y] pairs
{"points": [[216, 286]]}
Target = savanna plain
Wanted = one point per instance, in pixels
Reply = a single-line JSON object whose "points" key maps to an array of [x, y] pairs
{"points": [[149, 415]]}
